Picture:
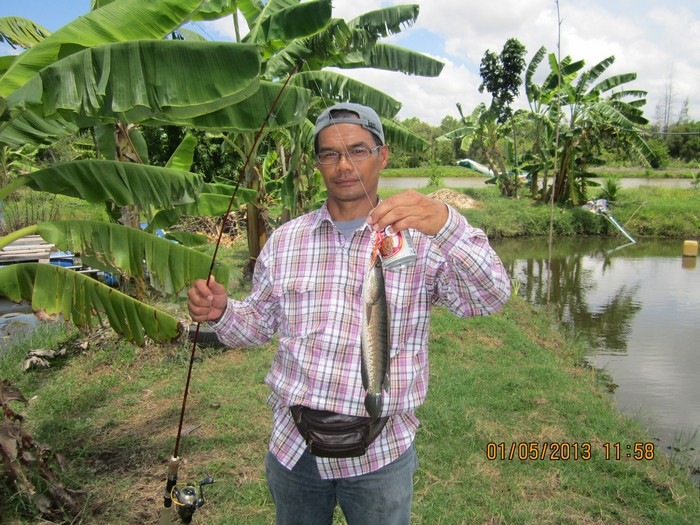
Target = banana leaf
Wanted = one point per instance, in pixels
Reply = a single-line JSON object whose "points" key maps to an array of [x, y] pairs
{"points": [[183, 156], [402, 138], [140, 80], [394, 58], [279, 21], [248, 115], [81, 299], [123, 183], [208, 205], [386, 21], [116, 22], [114, 248], [214, 9], [21, 32], [336, 86], [29, 128]]}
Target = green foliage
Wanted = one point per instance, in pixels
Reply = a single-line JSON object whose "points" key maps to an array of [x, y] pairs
{"points": [[610, 189], [683, 141], [501, 77], [435, 178], [661, 154], [596, 114], [211, 159], [643, 212], [76, 297]]}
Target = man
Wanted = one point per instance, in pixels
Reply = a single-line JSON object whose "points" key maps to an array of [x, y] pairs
{"points": [[307, 288]]}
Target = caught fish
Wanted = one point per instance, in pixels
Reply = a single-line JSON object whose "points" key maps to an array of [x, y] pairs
{"points": [[375, 337]]}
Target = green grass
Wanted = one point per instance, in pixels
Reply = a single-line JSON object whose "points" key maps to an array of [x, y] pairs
{"points": [[643, 212], [112, 410], [686, 171]]}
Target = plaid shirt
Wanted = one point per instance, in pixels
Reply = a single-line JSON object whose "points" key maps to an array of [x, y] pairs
{"points": [[307, 288]]}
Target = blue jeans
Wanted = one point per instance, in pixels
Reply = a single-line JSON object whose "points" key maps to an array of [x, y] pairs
{"points": [[302, 498]]}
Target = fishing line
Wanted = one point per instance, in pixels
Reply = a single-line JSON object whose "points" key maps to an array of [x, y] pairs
{"points": [[174, 460]]}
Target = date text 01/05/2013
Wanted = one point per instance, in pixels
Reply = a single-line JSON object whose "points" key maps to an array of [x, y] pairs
{"points": [[568, 451]]}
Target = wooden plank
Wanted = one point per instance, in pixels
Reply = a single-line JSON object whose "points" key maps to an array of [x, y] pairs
{"points": [[25, 252], [27, 247], [29, 239], [22, 258], [31, 248]]}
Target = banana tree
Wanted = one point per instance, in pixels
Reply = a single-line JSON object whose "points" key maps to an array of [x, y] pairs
{"points": [[587, 109], [101, 80], [341, 44], [481, 131], [47, 92]]}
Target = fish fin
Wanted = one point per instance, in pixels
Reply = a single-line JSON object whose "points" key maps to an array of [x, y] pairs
{"points": [[386, 383], [373, 404]]}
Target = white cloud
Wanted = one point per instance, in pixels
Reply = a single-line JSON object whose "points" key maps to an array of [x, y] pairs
{"points": [[646, 38], [652, 38]]}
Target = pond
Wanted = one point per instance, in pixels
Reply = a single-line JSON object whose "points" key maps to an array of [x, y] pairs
{"points": [[15, 318], [638, 307]]}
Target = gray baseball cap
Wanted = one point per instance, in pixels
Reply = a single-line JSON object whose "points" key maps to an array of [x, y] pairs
{"points": [[366, 117]]}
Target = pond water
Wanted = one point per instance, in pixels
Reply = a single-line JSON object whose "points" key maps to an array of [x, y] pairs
{"points": [[15, 318], [638, 307]]}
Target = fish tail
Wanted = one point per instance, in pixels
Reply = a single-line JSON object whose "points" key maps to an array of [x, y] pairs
{"points": [[373, 404]]}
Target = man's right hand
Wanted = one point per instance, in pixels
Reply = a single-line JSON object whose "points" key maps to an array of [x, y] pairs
{"points": [[206, 302]]}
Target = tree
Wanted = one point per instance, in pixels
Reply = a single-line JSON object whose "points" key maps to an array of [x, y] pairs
{"points": [[501, 77], [113, 69], [40, 109], [683, 141], [591, 118]]}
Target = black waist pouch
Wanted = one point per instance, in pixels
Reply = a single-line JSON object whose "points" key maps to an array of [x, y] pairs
{"points": [[332, 435]]}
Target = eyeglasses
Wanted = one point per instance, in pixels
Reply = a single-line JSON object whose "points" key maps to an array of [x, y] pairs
{"points": [[355, 154]]}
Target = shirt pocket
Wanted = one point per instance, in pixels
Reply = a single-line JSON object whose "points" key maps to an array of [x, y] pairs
{"points": [[301, 302]]}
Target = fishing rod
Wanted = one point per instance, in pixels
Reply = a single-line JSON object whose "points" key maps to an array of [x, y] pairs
{"points": [[188, 499]]}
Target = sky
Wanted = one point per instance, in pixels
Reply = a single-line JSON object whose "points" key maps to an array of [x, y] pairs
{"points": [[659, 40]]}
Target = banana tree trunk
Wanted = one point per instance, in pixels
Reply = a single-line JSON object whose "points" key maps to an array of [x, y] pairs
{"points": [[130, 215], [256, 226]]}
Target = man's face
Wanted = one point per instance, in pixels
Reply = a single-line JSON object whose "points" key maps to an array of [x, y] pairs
{"points": [[351, 181]]}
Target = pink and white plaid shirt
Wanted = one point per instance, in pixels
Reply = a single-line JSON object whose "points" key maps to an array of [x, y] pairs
{"points": [[307, 289]]}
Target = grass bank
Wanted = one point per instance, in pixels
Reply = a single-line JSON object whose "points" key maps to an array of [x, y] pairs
{"points": [[686, 171], [515, 430], [643, 212]]}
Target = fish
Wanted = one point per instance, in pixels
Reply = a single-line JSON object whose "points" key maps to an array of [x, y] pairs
{"points": [[375, 339]]}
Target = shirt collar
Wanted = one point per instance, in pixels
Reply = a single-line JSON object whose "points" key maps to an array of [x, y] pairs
{"points": [[324, 215]]}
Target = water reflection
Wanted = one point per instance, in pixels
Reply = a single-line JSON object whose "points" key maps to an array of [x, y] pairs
{"points": [[575, 271], [638, 308]]}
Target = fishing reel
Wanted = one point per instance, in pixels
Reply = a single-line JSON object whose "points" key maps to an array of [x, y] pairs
{"points": [[189, 498]]}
